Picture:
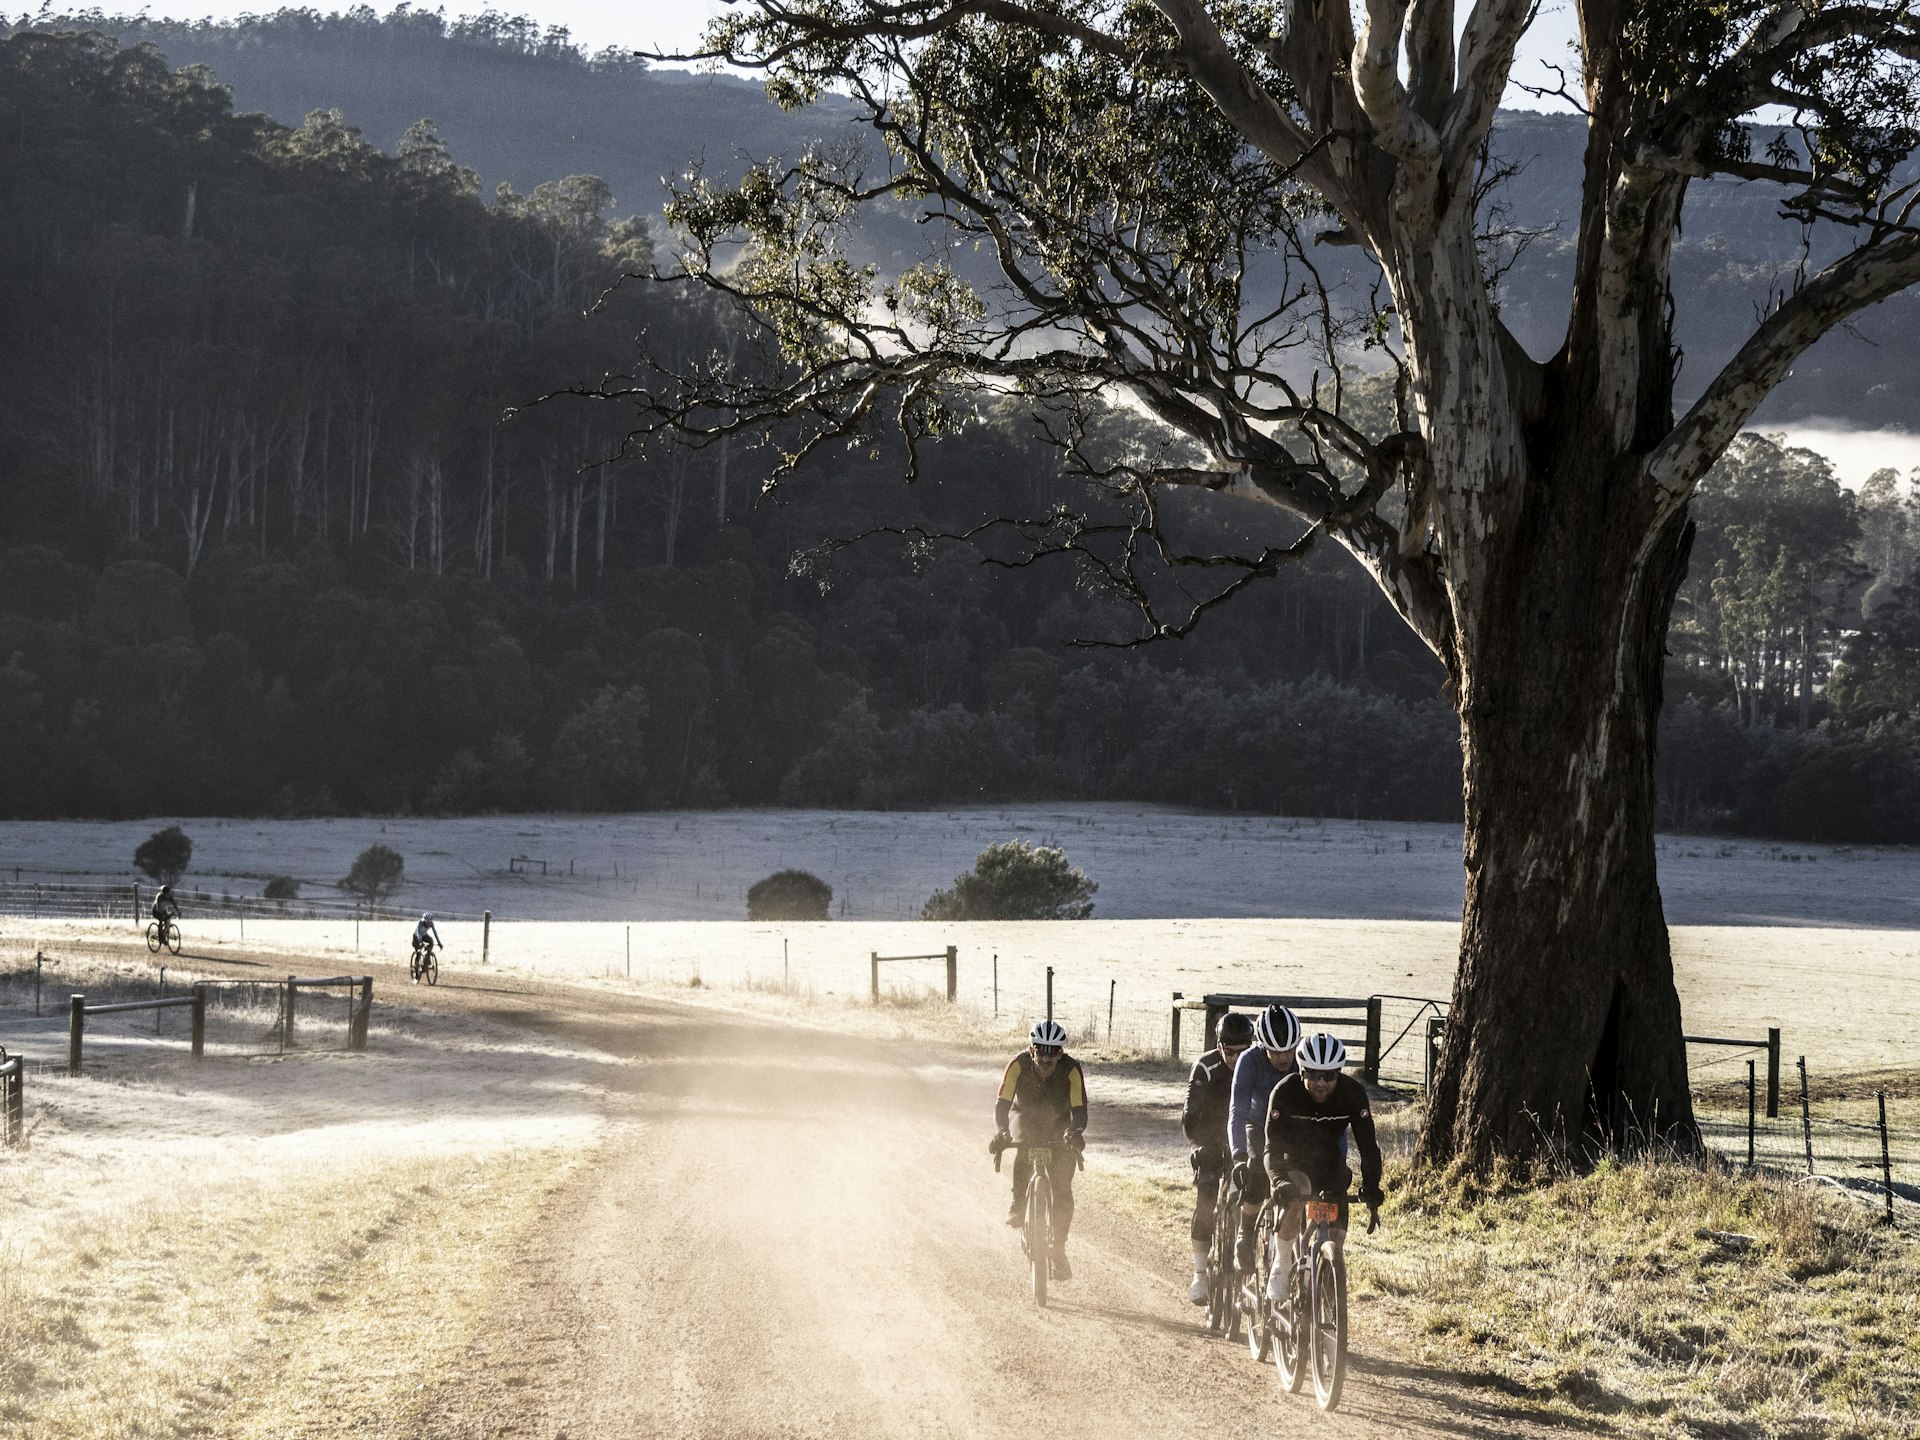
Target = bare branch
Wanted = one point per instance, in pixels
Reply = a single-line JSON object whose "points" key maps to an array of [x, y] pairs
{"points": [[1486, 56]]}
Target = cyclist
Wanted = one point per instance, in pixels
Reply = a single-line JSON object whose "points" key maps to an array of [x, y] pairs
{"points": [[1209, 1095], [1309, 1117], [165, 909], [1258, 1070], [425, 936], [1045, 1087]]}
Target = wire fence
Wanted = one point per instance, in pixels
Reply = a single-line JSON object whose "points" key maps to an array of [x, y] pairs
{"points": [[132, 902]]}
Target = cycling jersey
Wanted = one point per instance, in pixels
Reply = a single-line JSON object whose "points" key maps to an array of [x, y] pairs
{"points": [[1253, 1080], [1209, 1096], [1048, 1106], [1309, 1137], [165, 907], [424, 929]]}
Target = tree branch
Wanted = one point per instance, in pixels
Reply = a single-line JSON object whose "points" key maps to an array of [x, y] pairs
{"points": [[1486, 55], [1844, 288]]}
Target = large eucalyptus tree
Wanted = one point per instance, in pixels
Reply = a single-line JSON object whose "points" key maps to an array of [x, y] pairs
{"points": [[1160, 185]]}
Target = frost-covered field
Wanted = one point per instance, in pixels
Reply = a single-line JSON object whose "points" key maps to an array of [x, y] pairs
{"points": [[1150, 864]]}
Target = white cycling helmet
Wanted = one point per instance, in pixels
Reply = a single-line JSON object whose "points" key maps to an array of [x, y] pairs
{"points": [[1048, 1032], [1320, 1051], [1276, 1029], [427, 919]]}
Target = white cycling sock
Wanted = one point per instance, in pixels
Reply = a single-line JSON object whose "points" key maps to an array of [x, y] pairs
{"points": [[1199, 1256]]}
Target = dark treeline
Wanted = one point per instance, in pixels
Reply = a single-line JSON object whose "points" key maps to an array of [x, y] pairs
{"points": [[268, 547]]}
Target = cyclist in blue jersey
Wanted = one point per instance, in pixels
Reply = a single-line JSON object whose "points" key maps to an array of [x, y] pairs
{"points": [[1275, 1035]]}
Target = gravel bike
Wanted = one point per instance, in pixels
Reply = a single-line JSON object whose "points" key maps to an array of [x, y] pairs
{"points": [[1036, 1236], [163, 934], [425, 965], [1310, 1325]]}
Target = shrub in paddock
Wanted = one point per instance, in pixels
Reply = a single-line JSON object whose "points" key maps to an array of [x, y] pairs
{"points": [[376, 874], [165, 854], [283, 887], [789, 895], [1015, 881]]}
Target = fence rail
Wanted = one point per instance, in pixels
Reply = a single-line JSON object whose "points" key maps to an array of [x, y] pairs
{"points": [[951, 955], [78, 1010]]}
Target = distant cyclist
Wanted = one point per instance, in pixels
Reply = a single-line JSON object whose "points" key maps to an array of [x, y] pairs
{"points": [[1209, 1097], [425, 936], [165, 908], [1275, 1034], [1309, 1117], [1046, 1091]]}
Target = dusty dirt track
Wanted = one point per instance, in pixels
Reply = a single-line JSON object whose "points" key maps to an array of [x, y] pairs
{"points": [[795, 1233]]}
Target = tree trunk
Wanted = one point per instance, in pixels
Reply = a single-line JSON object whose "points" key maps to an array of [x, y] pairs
{"points": [[1565, 1027]]}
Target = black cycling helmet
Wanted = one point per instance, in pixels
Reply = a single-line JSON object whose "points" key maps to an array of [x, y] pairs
{"points": [[1236, 1029]]}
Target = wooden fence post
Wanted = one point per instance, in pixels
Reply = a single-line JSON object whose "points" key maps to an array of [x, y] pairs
{"points": [[1049, 992], [286, 1029], [1210, 1037], [1173, 1029], [1370, 1068], [1751, 1109], [486, 934], [362, 1015], [136, 904], [953, 973], [1886, 1161], [13, 1091], [199, 1031], [1773, 1072], [76, 1028], [873, 958], [1806, 1114]]}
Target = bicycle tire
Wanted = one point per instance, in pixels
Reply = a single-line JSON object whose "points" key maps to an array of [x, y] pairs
{"points": [[1253, 1290], [1289, 1355], [432, 969], [1221, 1313], [413, 967], [153, 937], [1329, 1330], [1039, 1235], [173, 939]]}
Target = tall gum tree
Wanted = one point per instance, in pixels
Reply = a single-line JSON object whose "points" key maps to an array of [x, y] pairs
{"points": [[1157, 188]]}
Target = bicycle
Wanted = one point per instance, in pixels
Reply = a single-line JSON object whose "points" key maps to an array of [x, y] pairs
{"points": [[425, 965], [1313, 1317], [163, 933], [1039, 1212], [1223, 1313]]}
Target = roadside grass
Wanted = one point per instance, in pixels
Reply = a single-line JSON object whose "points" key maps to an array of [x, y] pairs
{"points": [[316, 1306]]}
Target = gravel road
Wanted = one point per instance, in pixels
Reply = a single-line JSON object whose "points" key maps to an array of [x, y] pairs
{"points": [[796, 1233]]}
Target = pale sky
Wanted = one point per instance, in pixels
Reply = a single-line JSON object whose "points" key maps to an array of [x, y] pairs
{"points": [[661, 25]]}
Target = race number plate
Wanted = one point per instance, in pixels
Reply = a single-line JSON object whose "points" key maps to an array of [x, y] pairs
{"points": [[1041, 1154], [1318, 1210]]}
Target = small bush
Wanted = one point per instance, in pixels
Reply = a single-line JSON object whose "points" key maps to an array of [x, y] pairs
{"points": [[1015, 881], [376, 874], [165, 854], [789, 895], [283, 887]]}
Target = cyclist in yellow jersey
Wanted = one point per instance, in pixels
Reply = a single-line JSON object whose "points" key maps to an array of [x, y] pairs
{"points": [[1045, 1092]]}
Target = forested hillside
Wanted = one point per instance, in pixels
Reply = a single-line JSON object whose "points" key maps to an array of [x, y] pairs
{"points": [[266, 545], [520, 104]]}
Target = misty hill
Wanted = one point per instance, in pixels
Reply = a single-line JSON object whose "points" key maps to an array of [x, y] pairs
{"points": [[521, 106]]}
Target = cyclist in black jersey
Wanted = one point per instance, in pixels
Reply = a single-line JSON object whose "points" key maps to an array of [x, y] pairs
{"points": [[1204, 1121], [1044, 1091], [1310, 1114]]}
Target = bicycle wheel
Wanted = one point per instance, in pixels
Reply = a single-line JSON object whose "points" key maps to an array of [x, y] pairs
{"points": [[1328, 1333], [1039, 1233], [1289, 1356], [153, 936], [430, 967], [1222, 1316], [173, 939], [413, 967], [1253, 1289]]}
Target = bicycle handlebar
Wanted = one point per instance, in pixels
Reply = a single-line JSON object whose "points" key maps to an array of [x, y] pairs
{"points": [[1079, 1152]]}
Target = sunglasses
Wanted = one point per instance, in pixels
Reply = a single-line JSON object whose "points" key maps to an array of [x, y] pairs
{"points": [[1047, 1052]]}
